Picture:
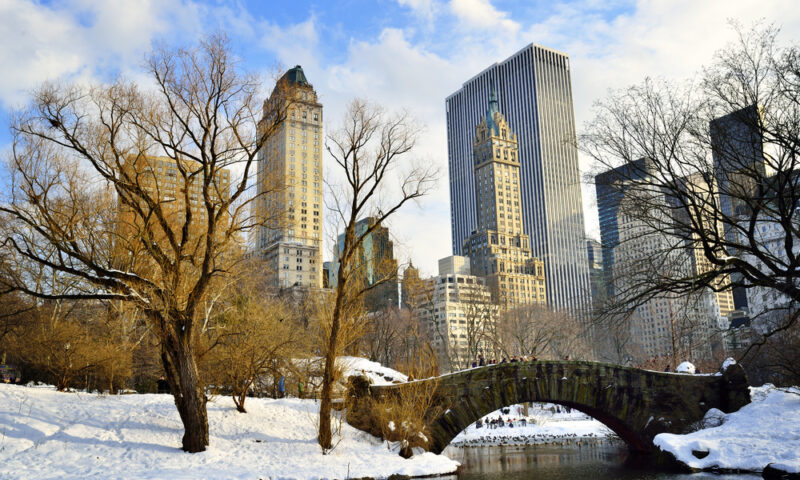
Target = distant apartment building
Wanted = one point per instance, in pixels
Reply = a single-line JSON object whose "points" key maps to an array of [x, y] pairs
{"points": [[458, 313], [704, 205], [666, 324], [179, 192], [535, 94], [499, 250], [290, 188], [373, 266], [768, 306]]}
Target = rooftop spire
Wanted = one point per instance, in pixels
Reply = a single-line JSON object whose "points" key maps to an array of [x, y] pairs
{"points": [[490, 123]]}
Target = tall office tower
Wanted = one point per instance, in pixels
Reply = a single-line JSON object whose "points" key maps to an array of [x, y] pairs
{"points": [[535, 94], [738, 152], [457, 310], [373, 264], [499, 250], [596, 276], [290, 185], [610, 187]]}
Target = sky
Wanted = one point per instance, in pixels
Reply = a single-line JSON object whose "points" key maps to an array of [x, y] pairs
{"points": [[402, 54]]}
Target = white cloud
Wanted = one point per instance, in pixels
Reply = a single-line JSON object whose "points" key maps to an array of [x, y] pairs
{"points": [[76, 39], [424, 9], [482, 14]]}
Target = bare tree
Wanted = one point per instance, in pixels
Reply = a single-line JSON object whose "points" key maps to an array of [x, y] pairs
{"points": [[709, 167], [138, 194], [257, 337], [368, 150], [540, 331]]}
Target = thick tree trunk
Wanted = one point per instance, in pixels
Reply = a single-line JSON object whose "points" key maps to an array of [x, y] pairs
{"points": [[181, 371], [325, 437]]}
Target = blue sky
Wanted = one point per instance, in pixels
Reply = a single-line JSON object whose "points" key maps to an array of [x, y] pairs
{"points": [[406, 54]]}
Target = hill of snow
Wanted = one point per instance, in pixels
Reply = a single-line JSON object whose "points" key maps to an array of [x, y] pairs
{"points": [[45, 434], [765, 431]]}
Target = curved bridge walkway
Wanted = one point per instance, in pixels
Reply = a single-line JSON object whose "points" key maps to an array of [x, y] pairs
{"points": [[636, 404]]}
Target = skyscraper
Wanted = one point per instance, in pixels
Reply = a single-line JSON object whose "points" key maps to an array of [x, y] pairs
{"points": [[739, 167], [290, 185], [499, 251], [610, 187], [535, 95]]}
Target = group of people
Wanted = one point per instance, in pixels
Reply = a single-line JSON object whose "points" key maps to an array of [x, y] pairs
{"points": [[499, 423], [481, 362]]}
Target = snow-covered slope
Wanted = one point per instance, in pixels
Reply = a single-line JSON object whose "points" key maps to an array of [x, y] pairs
{"points": [[49, 435], [762, 432]]}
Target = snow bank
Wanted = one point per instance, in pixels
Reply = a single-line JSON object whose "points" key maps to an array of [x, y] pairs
{"points": [[765, 431], [686, 367], [49, 435], [377, 373]]}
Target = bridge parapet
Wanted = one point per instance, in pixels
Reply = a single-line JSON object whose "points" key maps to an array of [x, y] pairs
{"points": [[636, 404]]}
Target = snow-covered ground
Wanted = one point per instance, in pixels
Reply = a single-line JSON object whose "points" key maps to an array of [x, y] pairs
{"points": [[765, 431], [543, 426], [45, 434]]}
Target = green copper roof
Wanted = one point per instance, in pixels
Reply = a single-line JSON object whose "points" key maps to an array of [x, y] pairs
{"points": [[296, 75], [490, 123]]}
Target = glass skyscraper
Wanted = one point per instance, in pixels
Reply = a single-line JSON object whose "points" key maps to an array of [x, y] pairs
{"points": [[534, 91]]}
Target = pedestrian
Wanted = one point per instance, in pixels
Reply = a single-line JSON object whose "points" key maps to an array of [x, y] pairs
{"points": [[300, 389], [667, 369], [474, 364], [163, 385], [282, 387], [503, 360], [481, 362]]}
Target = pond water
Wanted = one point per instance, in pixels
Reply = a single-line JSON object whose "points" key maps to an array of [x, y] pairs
{"points": [[600, 460]]}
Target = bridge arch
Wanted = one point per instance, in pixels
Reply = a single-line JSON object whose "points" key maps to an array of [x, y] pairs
{"points": [[636, 404]]}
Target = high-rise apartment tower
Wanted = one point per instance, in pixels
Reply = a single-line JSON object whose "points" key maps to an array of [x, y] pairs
{"points": [[290, 185], [535, 95]]}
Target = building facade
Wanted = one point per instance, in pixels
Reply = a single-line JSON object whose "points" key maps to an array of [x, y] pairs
{"points": [[610, 188], [499, 250], [535, 94], [289, 207], [162, 178], [666, 325], [458, 313], [596, 277], [374, 265]]}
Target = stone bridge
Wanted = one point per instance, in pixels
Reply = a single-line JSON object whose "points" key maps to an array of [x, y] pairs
{"points": [[636, 404]]}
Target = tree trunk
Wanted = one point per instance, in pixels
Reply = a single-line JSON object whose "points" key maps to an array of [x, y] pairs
{"points": [[181, 371], [325, 435]]}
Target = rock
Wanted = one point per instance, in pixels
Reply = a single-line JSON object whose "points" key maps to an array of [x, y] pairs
{"points": [[772, 472], [700, 453]]}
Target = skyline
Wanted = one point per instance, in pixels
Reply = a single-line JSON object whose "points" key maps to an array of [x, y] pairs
{"points": [[406, 54], [534, 93]]}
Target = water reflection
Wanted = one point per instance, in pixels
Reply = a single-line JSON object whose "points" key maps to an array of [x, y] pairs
{"points": [[606, 461]]}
